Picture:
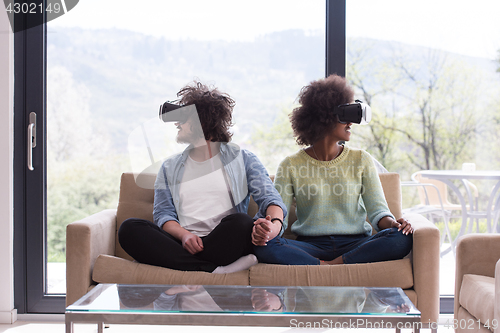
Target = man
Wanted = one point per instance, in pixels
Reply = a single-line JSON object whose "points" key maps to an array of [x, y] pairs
{"points": [[202, 194]]}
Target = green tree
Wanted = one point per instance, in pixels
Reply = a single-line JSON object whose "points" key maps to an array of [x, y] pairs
{"points": [[83, 173], [373, 79], [76, 189], [488, 143], [438, 104], [424, 107]]}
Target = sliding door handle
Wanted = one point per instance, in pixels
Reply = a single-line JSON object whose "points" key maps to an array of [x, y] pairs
{"points": [[31, 139]]}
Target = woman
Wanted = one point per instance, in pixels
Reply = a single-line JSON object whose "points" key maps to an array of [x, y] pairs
{"points": [[335, 187]]}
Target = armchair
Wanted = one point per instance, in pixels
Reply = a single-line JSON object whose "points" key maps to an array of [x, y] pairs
{"points": [[477, 283]]}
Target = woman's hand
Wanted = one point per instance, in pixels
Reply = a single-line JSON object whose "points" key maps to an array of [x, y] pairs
{"points": [[403, 225]]}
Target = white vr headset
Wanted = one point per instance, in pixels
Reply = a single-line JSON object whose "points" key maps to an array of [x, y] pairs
{"points": [[357, 112]]}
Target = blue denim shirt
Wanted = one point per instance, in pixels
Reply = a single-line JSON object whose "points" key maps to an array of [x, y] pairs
{"points": [[247, 177]]}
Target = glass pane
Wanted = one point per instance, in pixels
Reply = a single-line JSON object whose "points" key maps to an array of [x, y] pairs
{"points": [[432, 82], [112, 63]]}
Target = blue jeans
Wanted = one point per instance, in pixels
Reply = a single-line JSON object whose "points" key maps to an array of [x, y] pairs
{"points": [[388, 244]]}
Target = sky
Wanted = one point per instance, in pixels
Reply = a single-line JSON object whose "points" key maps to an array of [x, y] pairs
{"points": [[469, 27]]}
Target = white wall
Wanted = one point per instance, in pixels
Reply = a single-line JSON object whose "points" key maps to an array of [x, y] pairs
{"points": [[7, 312]]}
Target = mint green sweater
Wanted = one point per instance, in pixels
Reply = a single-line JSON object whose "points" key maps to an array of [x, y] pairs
{"points": [[333, 197]]}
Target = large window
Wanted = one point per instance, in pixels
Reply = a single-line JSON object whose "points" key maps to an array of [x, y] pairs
{"points": [[433, 85]]}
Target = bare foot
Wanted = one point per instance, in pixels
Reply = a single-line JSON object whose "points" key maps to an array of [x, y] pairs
{"points": [[336, 261]]}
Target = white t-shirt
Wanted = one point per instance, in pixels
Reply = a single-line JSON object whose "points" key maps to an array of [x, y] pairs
{"points": [[204, 196]]}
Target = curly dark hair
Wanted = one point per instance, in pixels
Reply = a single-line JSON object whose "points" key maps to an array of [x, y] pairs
{"points": [[214, 110], [314, 118]]}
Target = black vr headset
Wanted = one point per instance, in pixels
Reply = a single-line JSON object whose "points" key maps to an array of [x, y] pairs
{"points": [[357, 112], [175, 113]]}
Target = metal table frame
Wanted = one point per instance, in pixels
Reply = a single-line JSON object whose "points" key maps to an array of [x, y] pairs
{"points": [[240, 319]]}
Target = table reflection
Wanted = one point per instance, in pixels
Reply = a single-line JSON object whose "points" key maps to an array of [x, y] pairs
{"points": [[197, 298]]}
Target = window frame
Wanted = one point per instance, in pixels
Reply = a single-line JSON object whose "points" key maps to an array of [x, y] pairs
{"points": [[30, 188]]}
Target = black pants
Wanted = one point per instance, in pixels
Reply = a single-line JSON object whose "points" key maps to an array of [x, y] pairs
{"points": [[149, 244]]}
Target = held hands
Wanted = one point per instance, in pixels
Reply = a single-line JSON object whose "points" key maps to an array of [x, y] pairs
{"points": [[192, 243], [264, 230], [262, 300]]}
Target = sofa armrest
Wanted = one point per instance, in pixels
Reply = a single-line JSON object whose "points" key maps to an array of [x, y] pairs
{"points": [[476, 254], [85, 241], [425, 259]]}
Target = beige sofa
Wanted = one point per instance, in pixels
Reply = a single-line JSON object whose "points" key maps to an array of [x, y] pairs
{"points": [[93, 255], [477, 283]]}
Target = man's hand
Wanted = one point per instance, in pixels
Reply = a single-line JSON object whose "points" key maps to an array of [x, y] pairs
{"points": [[192, 243], [264, 230]]}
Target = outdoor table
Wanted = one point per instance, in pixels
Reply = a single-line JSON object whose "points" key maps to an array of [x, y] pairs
{"points": [[470, 211]]}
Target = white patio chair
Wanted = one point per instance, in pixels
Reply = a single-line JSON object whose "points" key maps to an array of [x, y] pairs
{"points": [[430, 208]]}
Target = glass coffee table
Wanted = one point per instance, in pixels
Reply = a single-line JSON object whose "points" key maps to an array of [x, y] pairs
{"points": [[294, 307]]}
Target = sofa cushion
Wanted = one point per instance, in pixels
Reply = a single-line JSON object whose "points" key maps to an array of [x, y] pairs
{"points": [[477, 296], [468, 323], [395, 273], [110, 269]]}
